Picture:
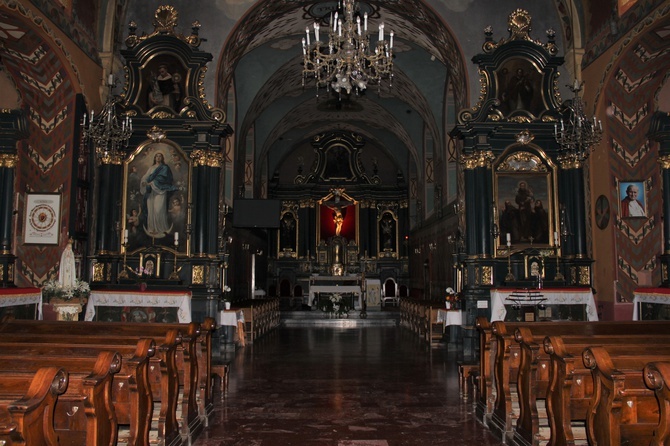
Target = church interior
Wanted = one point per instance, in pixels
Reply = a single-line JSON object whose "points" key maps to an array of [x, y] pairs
{"points": [[488, 159]]}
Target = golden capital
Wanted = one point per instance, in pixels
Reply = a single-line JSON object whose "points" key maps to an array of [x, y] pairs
{"points": [[569, 162], [480, 158], [8, 160], [211, 158], [664, 161], [111, 158]]}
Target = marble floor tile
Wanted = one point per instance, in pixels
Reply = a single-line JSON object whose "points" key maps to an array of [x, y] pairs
{"points": [[365, 386]]}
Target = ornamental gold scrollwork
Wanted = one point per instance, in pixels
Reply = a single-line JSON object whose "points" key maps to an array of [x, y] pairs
{"points": [[165, 22], [198, 276], [664, 272], [664, 161], [99, 272], [481, 158], [8, 160], [10, 272], [522, 162], [487, 275], [584, 275]]}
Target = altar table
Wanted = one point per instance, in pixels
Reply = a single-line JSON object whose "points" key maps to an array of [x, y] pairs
{"points": [[12, 297], [331, 289], [553, 296], [119, 298], [649, 295]]}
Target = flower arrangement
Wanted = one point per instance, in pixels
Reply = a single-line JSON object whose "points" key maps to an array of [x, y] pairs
{"points": [[334, 305], [452, 300], [53, 289]]}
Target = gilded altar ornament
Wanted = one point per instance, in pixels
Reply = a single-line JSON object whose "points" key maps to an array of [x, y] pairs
{"points": [[99, 272], [584, 275], [524, 137], [522, 162], [198, 276], [664, 161]]}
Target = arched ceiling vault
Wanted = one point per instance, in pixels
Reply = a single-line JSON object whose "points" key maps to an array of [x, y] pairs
{"points": [[262, 58]]}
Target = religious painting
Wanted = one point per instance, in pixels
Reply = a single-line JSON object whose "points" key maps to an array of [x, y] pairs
{"points": [[156, 197], [164, 80], [42, 219], [387, 233], [524, 208], [288, 235], [632, 199], [519, 87]]}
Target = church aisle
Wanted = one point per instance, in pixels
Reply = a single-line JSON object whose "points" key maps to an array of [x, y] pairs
{"points": [[365, 386]]}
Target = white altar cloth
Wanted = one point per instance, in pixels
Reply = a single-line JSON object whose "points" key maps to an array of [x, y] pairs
{"points": [[649, 295], [451, 317], [553, 296], [11, 297], [118, 298]]}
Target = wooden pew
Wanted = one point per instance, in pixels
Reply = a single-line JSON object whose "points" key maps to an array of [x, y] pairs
{"points": [[131, 393], [657, 377], [27, 406], [485, 396], [84, 413], [514, 413], [566, 386], [623, 410], [163, 372], [189, 378]]}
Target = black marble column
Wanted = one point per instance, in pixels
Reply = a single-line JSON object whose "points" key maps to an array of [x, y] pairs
{"points": [[572, 214], [659, 131], [13, 128], [478, 199], [199, 214], [109, 197]]}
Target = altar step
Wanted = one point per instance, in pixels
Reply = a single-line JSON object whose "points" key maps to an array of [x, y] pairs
{"points": [[316, 318]]}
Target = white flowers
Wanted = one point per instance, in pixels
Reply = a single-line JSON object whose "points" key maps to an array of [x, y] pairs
{"points": [[54, 289], [450, 290]]}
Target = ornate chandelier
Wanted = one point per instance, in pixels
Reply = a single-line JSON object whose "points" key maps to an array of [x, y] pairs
{"points": [[577, 133], [347, 62], [108, 132]]}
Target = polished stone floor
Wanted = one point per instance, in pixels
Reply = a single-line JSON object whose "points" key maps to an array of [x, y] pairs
{"points": [[363, 386]]}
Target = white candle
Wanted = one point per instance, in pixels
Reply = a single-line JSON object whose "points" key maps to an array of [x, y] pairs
{"points": [[307, 33], [509, 237], [176, 237], [556, 237], [365, 22], [335, 23], [391, 41], [358, 27], [110, 80], [316, 31]]}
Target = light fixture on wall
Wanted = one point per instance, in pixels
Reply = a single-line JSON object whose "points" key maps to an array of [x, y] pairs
{"points": [[346, 61], [108, 132], [576, 134]]}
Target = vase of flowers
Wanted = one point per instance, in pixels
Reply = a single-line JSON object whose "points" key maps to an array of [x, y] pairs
{"points": [[452, 300], [64, 302], [335, 306]]}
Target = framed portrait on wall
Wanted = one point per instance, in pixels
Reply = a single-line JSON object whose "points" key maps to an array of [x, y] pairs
{"points": [[156, 196], [632, 199], [41, 224]]}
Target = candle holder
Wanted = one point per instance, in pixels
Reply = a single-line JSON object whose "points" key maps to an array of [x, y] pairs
{"points": [[175, 275], [509, 277], [558, 276], [124, 273]]}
